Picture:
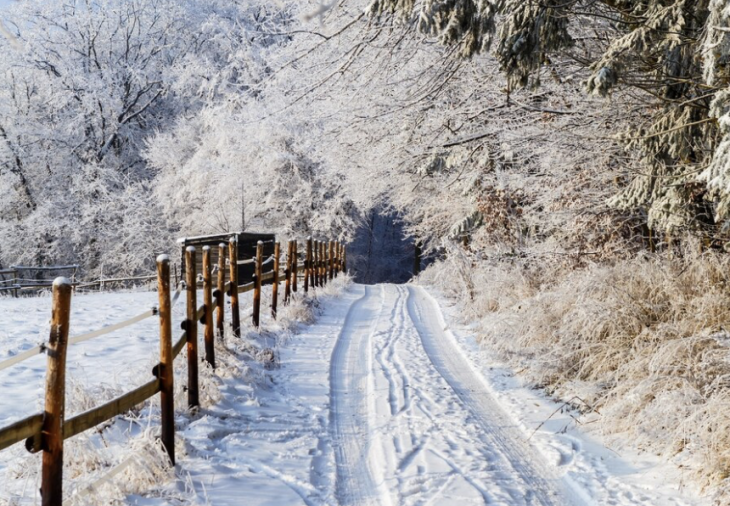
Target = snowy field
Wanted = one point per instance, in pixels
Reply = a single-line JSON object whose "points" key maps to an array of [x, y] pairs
{"points": [[377, 402]]}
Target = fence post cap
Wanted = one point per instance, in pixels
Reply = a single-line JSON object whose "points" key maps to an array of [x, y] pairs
{"points": [[260, 243], [61, 281], [206, 248], [163, 258], [309, 238], [190, 249], [222, 245]]}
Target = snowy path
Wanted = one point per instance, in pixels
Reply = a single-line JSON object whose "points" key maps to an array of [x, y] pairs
{"points": [[381, 403], [416, 425]]}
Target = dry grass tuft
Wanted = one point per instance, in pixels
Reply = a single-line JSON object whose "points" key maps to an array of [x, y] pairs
{"points": [[645, 337]]}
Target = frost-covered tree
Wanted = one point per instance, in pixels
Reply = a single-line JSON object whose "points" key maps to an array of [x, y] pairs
{"points": [[84, 85], [671, 55]]}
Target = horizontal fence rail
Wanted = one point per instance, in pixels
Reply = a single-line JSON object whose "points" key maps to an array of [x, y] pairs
{"points": [[45, 432]]}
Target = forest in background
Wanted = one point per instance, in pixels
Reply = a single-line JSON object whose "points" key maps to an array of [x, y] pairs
{"points": [[567, 162]]}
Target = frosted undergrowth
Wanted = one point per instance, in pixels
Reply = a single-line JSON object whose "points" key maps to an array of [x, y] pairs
{"points": [[639, 346], [124, 457]]}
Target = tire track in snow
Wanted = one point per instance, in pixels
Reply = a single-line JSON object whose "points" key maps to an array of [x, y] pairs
{"points": [[500, 435], [356, 447]]}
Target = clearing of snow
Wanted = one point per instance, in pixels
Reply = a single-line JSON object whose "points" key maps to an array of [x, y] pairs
{"points": [[379, 402]]}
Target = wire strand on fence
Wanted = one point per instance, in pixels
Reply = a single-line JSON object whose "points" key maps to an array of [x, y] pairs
{"points": [[92, 487], [111, 328], [37, 350], [253, 260]]}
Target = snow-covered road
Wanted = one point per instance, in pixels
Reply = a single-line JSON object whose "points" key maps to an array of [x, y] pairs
{"points": [[412, 423], [381, 403]]}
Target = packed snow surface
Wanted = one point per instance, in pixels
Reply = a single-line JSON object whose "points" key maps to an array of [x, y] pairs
{"points": [[379, 402]]}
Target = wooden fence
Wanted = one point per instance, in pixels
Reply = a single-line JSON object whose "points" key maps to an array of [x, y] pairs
{"points": [[45, 432], [16, 277]]}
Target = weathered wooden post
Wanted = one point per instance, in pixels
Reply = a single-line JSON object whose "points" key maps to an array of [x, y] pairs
{"points": [[318, 263], [337, 258], [294, 265], [331, 260], [287, 273], [220, 293], [15, 283], [308, 277], [208, 337], [315, 264], [323, 258], [344, 258], [167, 400], [258, 274], [191, 327], [52, 430], [233, 261], [275, 286]]}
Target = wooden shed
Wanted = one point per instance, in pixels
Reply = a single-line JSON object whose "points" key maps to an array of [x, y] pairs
{"points": [[246, 251]]}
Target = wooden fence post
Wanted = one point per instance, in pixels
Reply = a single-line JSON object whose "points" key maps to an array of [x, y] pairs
{"points": [[331, 260], [52, 430], [208, 337], [318, 262], [287, 273], [323, 263], [15, 283], [275, 286], [233, 261], [220, 293], [337, 258], [191, 327], [315, 264], [167, 400], [344, 258], [258, 274], [308, 279], [295, 264]]}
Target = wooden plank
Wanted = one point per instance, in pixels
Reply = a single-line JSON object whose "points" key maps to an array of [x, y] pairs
{"points": [[21, 430], [246, 288], [115, 407], [178, 346], [268, 276], [48, 268]]}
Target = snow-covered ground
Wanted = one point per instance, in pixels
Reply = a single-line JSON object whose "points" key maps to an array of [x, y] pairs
{"points": [[378, 402]]}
